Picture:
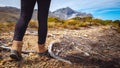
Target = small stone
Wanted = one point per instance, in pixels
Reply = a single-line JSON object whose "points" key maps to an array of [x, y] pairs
{"points": [[86, 54], [105, 51], [43, 58], [31, 54], [85, 35], [50, 35], [9, 43], [43, 64], [5, 34]]}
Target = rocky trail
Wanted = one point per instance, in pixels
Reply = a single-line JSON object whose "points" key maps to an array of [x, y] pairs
{"points": [[88, 47]]}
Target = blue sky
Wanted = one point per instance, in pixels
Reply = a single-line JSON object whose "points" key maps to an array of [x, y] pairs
{"points": [[103, 9]]}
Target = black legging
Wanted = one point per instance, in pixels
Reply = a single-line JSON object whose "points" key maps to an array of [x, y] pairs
{"points": [[27, 7]]}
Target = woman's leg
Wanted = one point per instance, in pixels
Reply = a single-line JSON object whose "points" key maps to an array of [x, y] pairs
{"points": [[20, 28], [43, 10], [27, 7]]}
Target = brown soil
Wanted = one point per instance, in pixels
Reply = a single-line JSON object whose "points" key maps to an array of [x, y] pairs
{"points": [[99, 35]]}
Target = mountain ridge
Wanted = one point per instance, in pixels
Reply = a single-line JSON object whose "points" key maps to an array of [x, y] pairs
{"points": [[11, 14], [68, 13]]}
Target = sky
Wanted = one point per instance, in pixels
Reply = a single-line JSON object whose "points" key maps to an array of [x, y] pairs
{"points": [[103, 9]]}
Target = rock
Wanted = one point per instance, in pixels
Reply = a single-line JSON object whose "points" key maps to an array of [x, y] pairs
{"points": [[5, 34], [85, 35], [43, 58], [43, 64], [27, 33], [11, 33], [31, 54], [105, 51], [9, 43], [50, 35], [56, 34], [31, 33], [114, 28]]}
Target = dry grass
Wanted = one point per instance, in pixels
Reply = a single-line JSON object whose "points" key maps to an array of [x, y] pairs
{"points": [[69, 24], [5, 27]]}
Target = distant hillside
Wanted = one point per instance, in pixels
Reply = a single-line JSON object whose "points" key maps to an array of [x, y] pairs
{"points": [[11, 14], [10, 10]]}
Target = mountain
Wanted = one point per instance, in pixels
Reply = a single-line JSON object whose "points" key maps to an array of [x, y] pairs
{"points": [[9, 10], [67, 13], [63, 13], [11, 14]]}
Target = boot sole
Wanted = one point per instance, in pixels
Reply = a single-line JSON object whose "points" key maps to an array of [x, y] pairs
{"points": [[15, 57]]}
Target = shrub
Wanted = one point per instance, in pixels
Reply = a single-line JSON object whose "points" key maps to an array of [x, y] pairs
{"points": [[4, 27], [83, 24], [51, 19], [72, 22], [51, 24], [33, 24]]}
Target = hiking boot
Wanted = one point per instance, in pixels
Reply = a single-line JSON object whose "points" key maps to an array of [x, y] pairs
{"points": [[43, 51], [16, 50]]}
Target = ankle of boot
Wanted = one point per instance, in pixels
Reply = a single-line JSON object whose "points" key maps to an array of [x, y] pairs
{"points": [[17, 45], [41, 48]]}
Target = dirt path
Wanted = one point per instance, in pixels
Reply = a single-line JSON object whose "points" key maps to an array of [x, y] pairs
{"points": [[96, 33]]}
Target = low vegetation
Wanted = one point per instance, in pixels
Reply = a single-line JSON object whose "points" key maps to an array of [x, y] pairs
{"points": [[77, 22], [5, 27], [74, 23]]}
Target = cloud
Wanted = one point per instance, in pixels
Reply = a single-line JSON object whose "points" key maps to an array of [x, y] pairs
{"points": [[84, 5], [108, 10], [98, 8]]}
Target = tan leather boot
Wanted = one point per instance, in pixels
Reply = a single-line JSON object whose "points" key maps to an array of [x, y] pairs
{"points": [[16, 50], [41, 48], [43, 51]]}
